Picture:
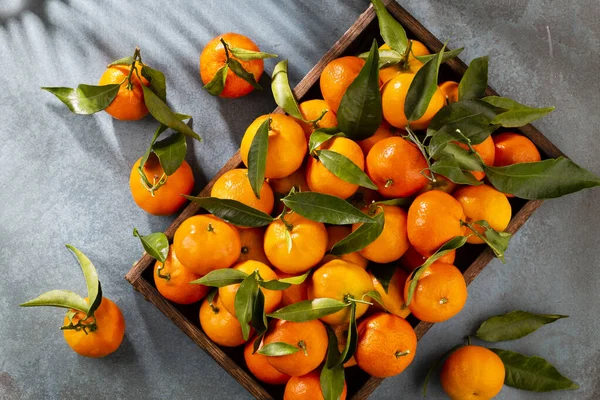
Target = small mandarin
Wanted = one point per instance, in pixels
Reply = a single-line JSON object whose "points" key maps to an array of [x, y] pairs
{"points": [[383, 132], [412, 65], [219, 325], [307, 387], [450, 91], [512, 148], [172, 281], [129, 103], [259, 366], [318, 111], [235, 185], [392, 243], [337, 76]]}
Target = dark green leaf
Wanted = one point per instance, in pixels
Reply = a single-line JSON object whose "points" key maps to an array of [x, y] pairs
{"points": [[436, 365], [352, 339], [342, 167], [360, 113], [545, 179], [122, 61], [161, 128], [282, 92], [474, 82], [361, 237], [391, 31], [383, 273], [59, 298], [278, 349], [517, 114], [460, 110], [171, 152], [157, 81], [514, 325], [320, 136], [94, 291], [257, 157], [374, 295], [497, 241], [259, 318], [247, 55], [309, 310], [217, 83], [86, 99], [233, 211], [163, 114], [465, 159], [448, 167], [422, 88], [476, 128], [155, 244], [387, 58], [532, 373], [332, 374], [448, 55], [239, 70], [324, 208], [222, 277], [245, 300]]}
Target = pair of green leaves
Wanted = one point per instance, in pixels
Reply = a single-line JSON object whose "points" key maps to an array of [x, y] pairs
{"points": [[217, 83], [155, 244]]}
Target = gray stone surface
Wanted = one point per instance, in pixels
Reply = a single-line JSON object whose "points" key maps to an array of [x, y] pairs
{"points": [[64, 179]]}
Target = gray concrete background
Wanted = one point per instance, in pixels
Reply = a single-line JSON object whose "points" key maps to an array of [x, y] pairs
{"points": [[64, 179]]}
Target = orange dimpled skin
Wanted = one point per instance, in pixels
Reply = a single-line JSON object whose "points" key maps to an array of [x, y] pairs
{"points": [[434, 217], [392, 243], [337, 76], [252, 245], [487, 153], [213, 58], [259, 366], [167, 199], [383, 132], [393, 298], [310, 337], [512, 148], [386, 345], [413, 259], [219, 325], [321, 180], [287, 145], [104, 339], [450, 91], [313, 110], [440, 294], [308, 387], [234, 185], [172, 281], [128, 105], [204, 243], [395, 166]]}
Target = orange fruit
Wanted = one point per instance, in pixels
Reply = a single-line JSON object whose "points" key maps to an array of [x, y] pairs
{"points": [[296, 180], [308, 243], [413, 259], [234, 185], [484, 203], [337, 76], [341, 333], [128, 105], [204, 243], [312, 110], [340, 280], [386, 345], [472, 372], [440, 294], [259, 366], [294, 293], [434, 217], [393, 96], [167, 199], [219, 325], [335, 233], [272, 297], [487, 153], [102, 340], [413, 64], [252, 240], [310, 337], [512, 148], [393, 298], [287, 145], [383, 132], [213, 58], [173, 281], [395, 166], [307, 387], [321, 180], [450, 91], [392, 243]]}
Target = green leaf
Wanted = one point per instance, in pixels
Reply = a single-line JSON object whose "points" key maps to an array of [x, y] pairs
{"points": [[309, 310], [282, 92], [464, 159], [121, 61], [217, 83], [454, 112], [422, 88], [387, 58], [325, 208], [342, 167], [244, 302], [86, 99], [163, 114], [222, 277], [399, 202], [475, 80], [374, 295], [545, 179], [352, 338], [278, 349], [383, 273], [514, 325], [332, 374], [284, 283], [59, 298], [497, 241], [247, 55], [532, 373], [360, 111], [448, 55], [436, 365], [155, 244], [476, 128], [517, 114], [259, 318], [157, 81], [94, 291], [320, 136], [171, 152], [257, 157], [448, 167], [161, 128], [233, 211], [391, 31], [361, 237], [239, 70]]}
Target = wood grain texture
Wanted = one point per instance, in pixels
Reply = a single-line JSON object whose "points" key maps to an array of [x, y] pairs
{"points": [[363, 25]]}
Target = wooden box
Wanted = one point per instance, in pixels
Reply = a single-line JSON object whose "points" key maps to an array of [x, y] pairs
{"points": [[470, 259]]}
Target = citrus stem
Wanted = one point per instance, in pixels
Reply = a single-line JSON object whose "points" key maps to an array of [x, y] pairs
{"points": [[468, 143], [210, 227], [226, 47], [136, 55], [420, 146], [288, 226], [475, 231], [161, 275], [404, 60], [443, 300], [245, 249], [468, 340], [152, 187], [302, 345], [315, 122], [399, 353], [350, 299], [81, 325], [388, 183]]}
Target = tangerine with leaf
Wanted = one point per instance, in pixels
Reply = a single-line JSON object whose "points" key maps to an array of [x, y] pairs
{"points": [[308, 387], [218, 324], [235, 185], [172, 281], [337, 76]]}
